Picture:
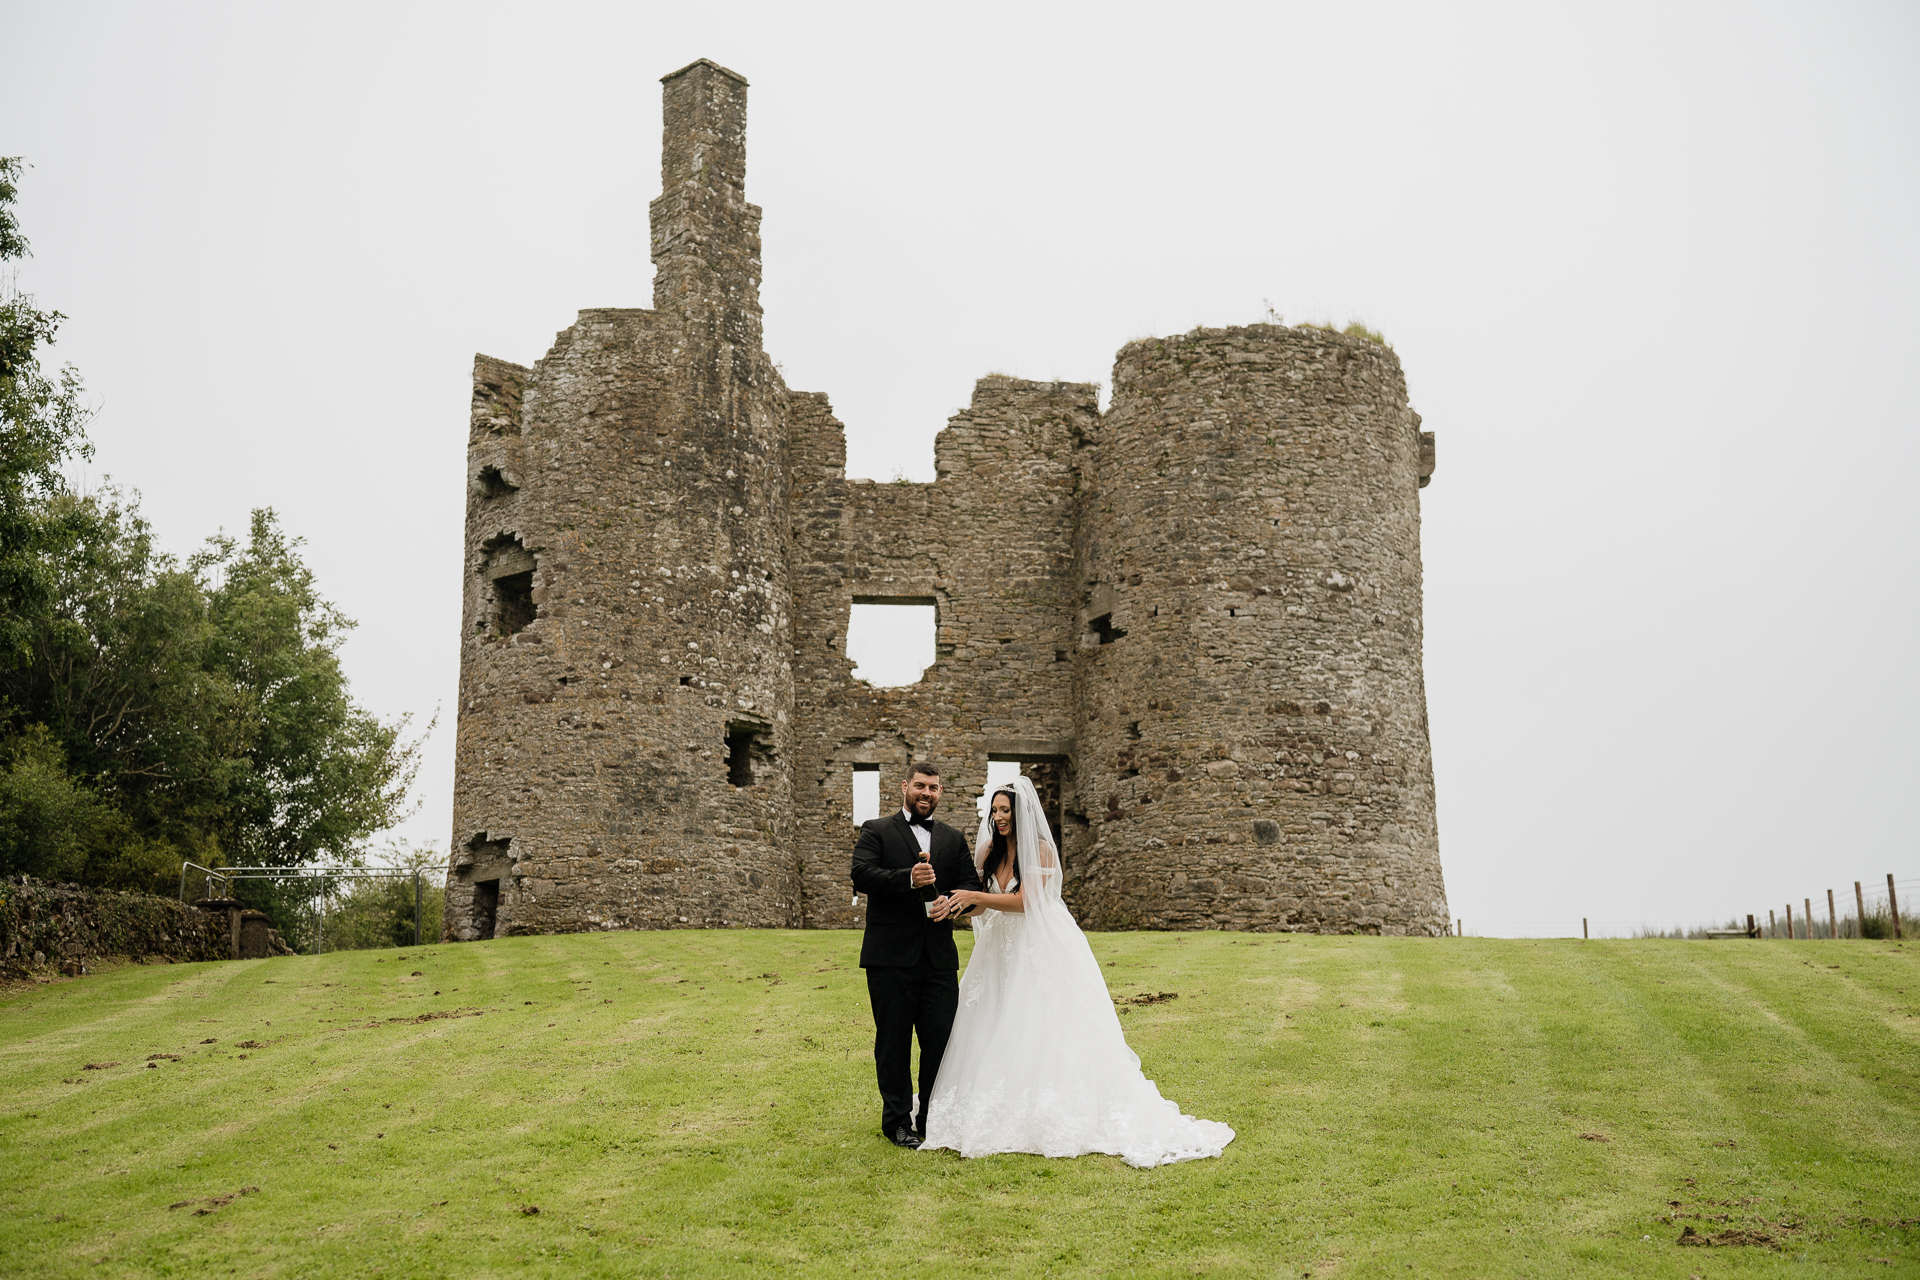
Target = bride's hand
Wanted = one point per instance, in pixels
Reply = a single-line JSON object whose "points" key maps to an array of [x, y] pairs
{"points": [[962, 900]]}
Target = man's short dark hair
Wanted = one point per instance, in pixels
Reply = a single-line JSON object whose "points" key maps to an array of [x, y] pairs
{"points": [[920, 768]]}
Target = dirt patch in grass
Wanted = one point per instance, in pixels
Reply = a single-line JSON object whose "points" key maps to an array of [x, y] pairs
{"points": [[1731, 1236], [213, 1204]]}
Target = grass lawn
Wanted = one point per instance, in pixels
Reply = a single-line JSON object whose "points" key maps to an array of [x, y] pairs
{"points": [[698, 1103]]}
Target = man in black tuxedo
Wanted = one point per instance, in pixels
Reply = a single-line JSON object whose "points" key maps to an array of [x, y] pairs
{"points": [[908, 950]]}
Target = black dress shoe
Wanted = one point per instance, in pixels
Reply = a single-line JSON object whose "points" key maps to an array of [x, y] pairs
{"points": [[905, 1137]]}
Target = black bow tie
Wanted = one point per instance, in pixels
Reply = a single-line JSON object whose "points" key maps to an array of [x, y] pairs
{"points": [[915, 820]]}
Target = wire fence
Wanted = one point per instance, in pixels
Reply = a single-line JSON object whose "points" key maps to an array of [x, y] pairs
{"points": [[331, 908], [1883, 909]]}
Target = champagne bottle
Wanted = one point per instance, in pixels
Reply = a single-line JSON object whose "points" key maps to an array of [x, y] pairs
{"points": [[928, 892]]}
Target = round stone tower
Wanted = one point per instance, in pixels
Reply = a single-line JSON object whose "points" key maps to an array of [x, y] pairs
{"points": [[1252, 735]]}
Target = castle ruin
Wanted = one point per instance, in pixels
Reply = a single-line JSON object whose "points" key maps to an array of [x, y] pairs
{"points": [[1194, 618]]}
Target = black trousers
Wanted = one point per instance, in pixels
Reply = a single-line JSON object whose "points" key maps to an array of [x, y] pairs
{"points": [[921, 999]]}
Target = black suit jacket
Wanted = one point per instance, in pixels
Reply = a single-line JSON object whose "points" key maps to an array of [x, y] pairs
{"points": [[898, 931]]}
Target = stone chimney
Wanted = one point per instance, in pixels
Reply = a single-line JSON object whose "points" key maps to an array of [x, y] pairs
{"points": [[706, 237]]}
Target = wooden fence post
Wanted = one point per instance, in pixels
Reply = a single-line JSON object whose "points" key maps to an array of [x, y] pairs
{"points": [[1860, 910], [1753, 930], [1773, 924], [1790, 937], [1583, 928], [1893, 907], [1809, 902], [1833, 920], [1458, 931]]}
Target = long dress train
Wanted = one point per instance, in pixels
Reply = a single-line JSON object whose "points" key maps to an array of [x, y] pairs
{"points": [[1037, 1061]]}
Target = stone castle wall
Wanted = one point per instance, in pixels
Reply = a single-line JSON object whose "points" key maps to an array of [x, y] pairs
{"points": [[990, 544], [1196, 617]]}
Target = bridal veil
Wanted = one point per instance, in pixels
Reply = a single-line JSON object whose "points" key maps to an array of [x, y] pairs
{"points": [[1037, 1061]]}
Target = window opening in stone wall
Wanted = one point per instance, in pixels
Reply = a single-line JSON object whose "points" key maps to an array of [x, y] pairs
{"points": [[866, 793], [749, 752], [508, 571], [1103, 630], [485, 854], [739, 762], [486, 907], [494, 484], [891, 639]]}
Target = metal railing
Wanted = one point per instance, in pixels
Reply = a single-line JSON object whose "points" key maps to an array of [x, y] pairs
{"points": [[226, 877]]}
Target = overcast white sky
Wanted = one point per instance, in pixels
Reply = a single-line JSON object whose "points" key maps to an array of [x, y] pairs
{"points": [[1651, 270]]}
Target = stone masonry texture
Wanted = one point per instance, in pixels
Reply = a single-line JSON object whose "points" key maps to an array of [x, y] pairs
{"points": [[63, 928], [1195, 617]]}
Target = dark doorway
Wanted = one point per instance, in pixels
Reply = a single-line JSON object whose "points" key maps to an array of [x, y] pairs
{"points": [[1050, 783], [486, 907], [1047, 778]]}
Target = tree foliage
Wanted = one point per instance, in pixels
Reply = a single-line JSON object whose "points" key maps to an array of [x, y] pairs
{"points": [[367, 914], [152, 710], [42, 423]]}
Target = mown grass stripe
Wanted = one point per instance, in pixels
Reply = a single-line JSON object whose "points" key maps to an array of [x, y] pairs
{"points": [[702, 1104]]}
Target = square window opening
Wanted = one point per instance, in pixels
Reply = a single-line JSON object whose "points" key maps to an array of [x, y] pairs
{"points": [[891, 639], [493, 483], [508, 569], [866, 793], [749, 752]]}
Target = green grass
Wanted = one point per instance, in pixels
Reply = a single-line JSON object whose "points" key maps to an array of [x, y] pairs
{"points": [[695, 1103]]}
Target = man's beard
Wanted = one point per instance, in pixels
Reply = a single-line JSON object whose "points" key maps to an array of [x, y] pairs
{"points": [[923, 805]]}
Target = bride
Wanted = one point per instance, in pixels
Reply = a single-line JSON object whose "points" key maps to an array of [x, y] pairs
{"points": [[1037, 1061]]}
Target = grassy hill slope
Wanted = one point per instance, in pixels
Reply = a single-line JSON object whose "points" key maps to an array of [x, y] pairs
{"points": [[695, 1103]]}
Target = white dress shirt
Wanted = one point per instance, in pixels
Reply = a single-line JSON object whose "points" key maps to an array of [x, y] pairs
{"points": [[923, 834]]}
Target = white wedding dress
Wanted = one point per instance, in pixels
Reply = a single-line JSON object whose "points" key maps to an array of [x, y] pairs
{"points": [[1037, 1061]]}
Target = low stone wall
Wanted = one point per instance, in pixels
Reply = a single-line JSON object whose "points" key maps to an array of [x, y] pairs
{"points": [[61, 928]]}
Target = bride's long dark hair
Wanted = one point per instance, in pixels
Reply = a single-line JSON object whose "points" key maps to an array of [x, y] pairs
{"points": [[1000, 851]]}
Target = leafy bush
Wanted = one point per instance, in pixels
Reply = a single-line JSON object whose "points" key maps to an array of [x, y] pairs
{"points": [[1877, 923]]}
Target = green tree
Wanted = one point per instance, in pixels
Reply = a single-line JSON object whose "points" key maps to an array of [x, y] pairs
{"points": [[318, 774], [365, 914], [42, 425], [206, 702], [51, 825], [153, 711]]}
